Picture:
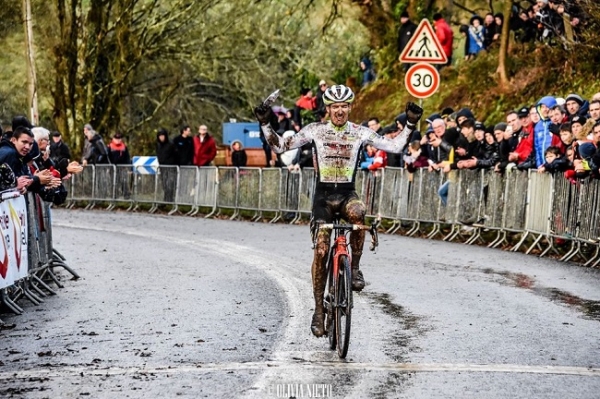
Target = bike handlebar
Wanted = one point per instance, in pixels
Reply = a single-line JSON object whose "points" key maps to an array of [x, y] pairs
{"points": [[372, 229]]}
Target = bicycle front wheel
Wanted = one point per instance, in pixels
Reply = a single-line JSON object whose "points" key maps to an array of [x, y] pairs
{"points": [[343, 309]]}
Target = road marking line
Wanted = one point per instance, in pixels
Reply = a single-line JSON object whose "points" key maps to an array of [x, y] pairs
{"points": [[60, 372]]}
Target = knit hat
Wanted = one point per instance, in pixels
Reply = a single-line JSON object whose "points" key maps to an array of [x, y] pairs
{"points": [[574, 97], [501, 126], [404, 14], [587, 150], [479, 126]]}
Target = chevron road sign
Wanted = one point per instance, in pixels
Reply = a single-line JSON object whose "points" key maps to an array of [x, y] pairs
{"points": [[145, 165]]}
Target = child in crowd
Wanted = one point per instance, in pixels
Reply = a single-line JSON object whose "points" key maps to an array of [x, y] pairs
{"points": [[476, 37], [238, 154], [415, 158], [555, 162]]}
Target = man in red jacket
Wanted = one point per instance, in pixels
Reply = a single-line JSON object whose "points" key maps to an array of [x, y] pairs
{"points": [[205, 148], [445, 36]]}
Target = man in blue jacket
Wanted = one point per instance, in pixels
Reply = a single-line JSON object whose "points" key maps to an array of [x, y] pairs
{"points": [[542, 136]]}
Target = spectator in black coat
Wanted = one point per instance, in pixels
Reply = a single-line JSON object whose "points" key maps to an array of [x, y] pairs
{"points": [[165, 150], [238, 154], [16, 152], [184, 147], [98, 152], [405, 33], [489, 30], [58, 149], [118, 153], [320, 104], [555, 161], [167, 159]]}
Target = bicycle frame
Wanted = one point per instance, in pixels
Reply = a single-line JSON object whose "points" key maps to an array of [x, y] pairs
{"points": [[338, 296], [338, 248]]}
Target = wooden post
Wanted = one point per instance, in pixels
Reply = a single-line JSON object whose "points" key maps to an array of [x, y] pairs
{"points": [[32, 79]]}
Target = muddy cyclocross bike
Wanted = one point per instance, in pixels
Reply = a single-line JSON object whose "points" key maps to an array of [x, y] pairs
{"points": [[338, 292]]}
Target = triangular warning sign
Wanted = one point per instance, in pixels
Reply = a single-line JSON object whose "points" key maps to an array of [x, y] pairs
{"points": [[424, 46]]}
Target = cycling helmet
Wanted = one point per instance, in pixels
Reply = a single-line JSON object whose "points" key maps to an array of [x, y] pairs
{"points": [[338, 94]]}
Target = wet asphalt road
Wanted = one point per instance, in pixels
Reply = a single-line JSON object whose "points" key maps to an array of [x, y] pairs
{"points": [[186, 307]]}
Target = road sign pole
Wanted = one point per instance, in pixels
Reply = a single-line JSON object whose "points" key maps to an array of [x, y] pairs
{"points": [[420, 105]]}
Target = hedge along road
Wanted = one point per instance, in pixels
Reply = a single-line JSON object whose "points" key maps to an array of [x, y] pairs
{"points": [[188, 307]]}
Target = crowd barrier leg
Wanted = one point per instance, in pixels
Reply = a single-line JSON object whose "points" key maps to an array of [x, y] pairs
{"points": [[475, 237], [454, 232], [394, 227], [437, 229], [549, 248], [518, 245], [39, 281], [414, 229], [500, 238], [25, 284], [575, 250], [10, 305], [60, 263], [536, 244], [591, 260]]}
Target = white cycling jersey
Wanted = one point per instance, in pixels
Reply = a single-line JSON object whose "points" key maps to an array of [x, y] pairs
{"points": [[336, 149]]}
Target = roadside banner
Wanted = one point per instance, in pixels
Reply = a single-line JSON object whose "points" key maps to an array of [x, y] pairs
{"points": [[13, 246]]}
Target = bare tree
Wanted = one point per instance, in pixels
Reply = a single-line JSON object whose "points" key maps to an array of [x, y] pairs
{"points": [[502, 69]]}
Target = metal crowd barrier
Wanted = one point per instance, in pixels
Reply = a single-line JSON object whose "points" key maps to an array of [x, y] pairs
{"points": [[29, 251], [481, 205]]}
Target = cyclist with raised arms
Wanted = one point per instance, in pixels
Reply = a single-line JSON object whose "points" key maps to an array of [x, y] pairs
{"points": [[337, 144]]}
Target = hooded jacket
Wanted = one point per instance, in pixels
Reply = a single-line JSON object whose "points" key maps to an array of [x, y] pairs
{"points": [[98, 152], [165, 151], [18, 164], [542, 136]]}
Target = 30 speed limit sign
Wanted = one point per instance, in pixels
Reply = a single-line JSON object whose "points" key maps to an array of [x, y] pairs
{"points": [[422, 80]]}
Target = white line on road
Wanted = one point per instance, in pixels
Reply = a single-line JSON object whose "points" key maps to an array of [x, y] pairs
{"points": [[60, 372]]}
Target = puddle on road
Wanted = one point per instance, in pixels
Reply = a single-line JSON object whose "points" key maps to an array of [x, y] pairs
{"points": [[590, 308]]}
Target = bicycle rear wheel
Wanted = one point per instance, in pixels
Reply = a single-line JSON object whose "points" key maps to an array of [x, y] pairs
{"points": [[343, 309]]}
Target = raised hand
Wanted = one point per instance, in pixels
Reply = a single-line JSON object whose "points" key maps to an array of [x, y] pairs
{"points": [[413, 113], [263, 114]]}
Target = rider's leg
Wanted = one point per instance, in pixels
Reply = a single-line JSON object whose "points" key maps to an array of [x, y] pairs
{"points": [[319, 279], [354, 213]]}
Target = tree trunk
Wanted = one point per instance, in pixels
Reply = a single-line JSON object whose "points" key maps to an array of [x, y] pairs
{"points": [[502, 56]]}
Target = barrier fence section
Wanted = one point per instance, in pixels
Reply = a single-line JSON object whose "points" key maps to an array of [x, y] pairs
{"points": [[29, 258], [466, 205]]}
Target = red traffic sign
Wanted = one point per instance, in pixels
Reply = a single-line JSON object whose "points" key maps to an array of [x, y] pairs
{"points": [[422, 80], [424, 46]]}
